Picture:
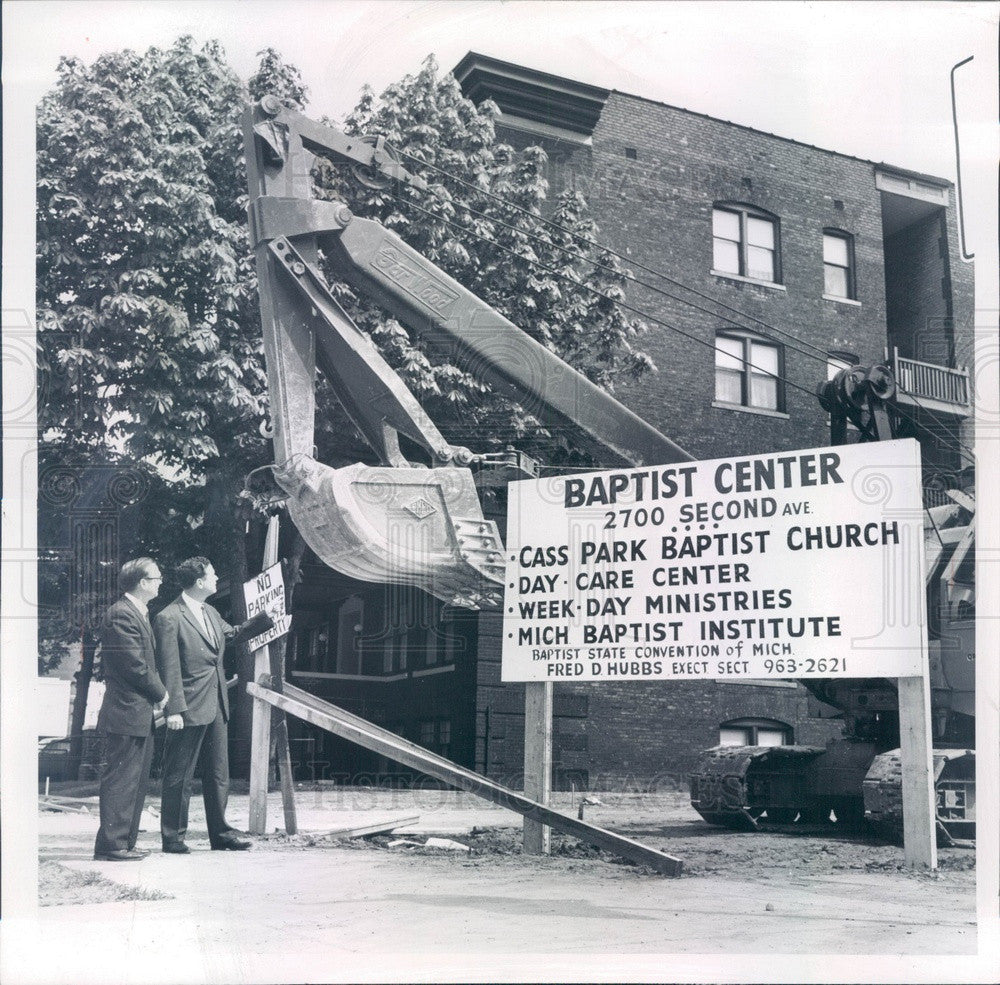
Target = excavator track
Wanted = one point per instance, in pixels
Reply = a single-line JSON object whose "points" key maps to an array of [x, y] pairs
{"points": [[954, 782], [738, 786], [746, 788]]}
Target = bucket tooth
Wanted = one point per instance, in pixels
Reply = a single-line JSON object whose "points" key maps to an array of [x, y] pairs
{"points": [[409, 526]]}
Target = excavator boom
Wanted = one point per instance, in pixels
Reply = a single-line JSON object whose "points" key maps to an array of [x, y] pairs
{"points": [[396, 522], [467, 331]]}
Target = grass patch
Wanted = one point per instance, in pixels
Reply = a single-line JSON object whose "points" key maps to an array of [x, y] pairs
{"points": [[60, 886]]}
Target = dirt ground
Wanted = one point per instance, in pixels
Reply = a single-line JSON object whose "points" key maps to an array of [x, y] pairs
{"points": [[270, 913]]}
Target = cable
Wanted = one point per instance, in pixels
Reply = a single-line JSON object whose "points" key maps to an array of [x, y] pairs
{"points": [[964, 451], [822, 356], [607, 297], [628, 275], [711, 345]]}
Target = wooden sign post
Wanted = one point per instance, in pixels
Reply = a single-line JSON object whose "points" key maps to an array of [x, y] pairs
{"points": [[917, 761], [537, 761], [260, 731]]}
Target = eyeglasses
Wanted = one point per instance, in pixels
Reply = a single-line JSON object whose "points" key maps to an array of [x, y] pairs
{"points": [[157, 578]]}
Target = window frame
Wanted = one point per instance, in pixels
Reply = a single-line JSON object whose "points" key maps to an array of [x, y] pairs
{"points": [[747, 340], [752, 727], [744, 214], [836, 360], [851, 269], [312, 646], [350, 627]]}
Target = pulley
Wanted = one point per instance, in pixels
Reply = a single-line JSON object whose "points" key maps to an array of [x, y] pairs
{"points": [[369, 174]]}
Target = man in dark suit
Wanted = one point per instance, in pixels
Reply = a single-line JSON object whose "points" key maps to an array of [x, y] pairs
{"points": [[133, 693], [191, 639]]}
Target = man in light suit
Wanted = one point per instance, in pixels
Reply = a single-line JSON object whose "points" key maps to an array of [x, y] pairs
{"points": [[191, 639], [134, 692]]}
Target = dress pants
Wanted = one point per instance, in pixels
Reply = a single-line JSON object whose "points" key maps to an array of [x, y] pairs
{"points": [[205, 747], [123, 790]]}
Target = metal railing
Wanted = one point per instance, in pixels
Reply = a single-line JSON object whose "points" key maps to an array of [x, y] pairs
{"points": [[920, 379]]}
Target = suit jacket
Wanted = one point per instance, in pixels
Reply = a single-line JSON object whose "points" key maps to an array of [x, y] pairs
{"points": [[190, 661], [127, 660]]}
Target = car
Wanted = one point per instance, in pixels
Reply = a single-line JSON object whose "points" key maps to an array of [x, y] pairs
{"points": [[53, 758]]}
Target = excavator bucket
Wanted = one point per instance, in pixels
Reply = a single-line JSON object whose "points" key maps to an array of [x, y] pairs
{"points": [[414, 526]]}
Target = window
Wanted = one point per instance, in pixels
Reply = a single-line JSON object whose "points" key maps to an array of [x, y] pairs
{"points": [[837, 361], [431, 647], [435, 735], [350, 622], [754, 732], [838, 264], [312, 642], [747, 371], [394, 651], [745, 243]]}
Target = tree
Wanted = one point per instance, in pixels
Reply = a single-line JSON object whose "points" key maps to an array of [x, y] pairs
{"points": [[150, 347], [149, 330], [150, 354]]}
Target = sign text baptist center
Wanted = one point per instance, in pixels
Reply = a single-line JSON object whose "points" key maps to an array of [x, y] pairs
{"points": [[797, 564]]}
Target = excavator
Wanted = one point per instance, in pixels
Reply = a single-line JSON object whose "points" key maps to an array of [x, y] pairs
{"points": [[420, 522]]}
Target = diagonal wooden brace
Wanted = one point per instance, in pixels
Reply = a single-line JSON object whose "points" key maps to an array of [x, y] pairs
{"points": [[307, 706]]}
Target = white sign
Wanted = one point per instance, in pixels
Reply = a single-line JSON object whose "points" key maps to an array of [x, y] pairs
{"points": [[266, 593], [792, 564]]}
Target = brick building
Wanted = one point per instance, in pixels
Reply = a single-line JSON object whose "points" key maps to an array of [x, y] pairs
{"points": [[787, 262]]}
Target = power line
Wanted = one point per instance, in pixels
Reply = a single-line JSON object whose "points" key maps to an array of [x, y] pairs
{"points": [[622, 304], [606, 297], [628, 275], [822, 356], [607, 249]]}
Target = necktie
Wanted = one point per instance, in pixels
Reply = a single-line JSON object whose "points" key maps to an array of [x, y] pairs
{"points": [[207, 623]]}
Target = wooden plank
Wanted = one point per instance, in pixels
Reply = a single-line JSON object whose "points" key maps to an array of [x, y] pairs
{"points": [[284, 754], [307, 706], [52, 804], [260, 750], [537, 761], [281, 745], [377, 828], [919, 799], [260, 727]]}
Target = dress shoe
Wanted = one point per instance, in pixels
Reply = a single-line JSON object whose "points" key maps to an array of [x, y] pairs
{"points": [[175, 848], [139, 851], [121, 855], [230, 843]]}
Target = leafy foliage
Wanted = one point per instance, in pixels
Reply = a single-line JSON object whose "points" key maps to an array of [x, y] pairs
{"points": [[275, 77], [150, 355], [145, 289], [482, 223]]}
